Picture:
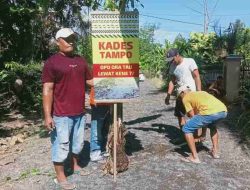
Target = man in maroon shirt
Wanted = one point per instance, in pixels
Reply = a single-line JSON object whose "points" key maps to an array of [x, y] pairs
{"points": [[64, 77]]}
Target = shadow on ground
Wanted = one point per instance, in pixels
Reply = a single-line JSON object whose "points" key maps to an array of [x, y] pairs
{"points": [[84, 155], [172, 132], [132, 144], [154, 92], [84, 159], [142, 119], [174, 136], [168, 109]]}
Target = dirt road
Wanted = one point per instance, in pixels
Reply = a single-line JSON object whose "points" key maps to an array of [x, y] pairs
{"points": [[155, 160]]}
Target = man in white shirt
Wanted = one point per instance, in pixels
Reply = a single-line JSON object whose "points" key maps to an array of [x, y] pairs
{"points": [[183, 71]]}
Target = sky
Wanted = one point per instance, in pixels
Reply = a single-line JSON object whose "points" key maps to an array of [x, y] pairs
{"points": [[172, 16]]}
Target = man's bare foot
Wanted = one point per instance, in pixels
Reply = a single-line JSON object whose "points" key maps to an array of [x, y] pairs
{"points": [[191, 159], [214, 154], [61, 178], [66, 185], [76, 167]]}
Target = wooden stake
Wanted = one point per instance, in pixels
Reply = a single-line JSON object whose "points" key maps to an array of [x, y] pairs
{"points": [[115, 140]]}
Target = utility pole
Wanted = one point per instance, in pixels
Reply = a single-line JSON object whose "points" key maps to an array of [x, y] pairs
{"points": [[206, 17]]}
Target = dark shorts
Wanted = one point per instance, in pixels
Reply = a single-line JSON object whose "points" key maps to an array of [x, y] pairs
{"points": [[179, 110]]}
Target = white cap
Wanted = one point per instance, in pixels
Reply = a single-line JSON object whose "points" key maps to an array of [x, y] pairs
{"points": [[182, 89], [64, 33]]}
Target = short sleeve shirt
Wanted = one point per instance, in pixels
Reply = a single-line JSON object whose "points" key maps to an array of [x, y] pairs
{"points": [[183, 73], [203, 103], [69, 75]]}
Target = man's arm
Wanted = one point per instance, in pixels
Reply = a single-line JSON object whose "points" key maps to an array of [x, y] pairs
{"points": [[48, 89], [197, 79], [90, 82], [190, 113], [171, 85], [170, 90], [212, 86]]}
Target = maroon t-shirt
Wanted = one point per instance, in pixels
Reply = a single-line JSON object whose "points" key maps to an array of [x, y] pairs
{"points": [[69, 75]]}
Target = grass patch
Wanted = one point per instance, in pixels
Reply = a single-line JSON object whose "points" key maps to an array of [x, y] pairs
{"points": [[29, 173]]}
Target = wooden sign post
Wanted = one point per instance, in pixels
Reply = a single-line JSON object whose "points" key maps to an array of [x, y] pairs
{"points": [[115, 50]]}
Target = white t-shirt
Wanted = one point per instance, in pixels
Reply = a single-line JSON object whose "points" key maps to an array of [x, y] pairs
{"points": [[183, 73]]}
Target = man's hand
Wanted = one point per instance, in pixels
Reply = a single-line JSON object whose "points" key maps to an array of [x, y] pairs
{"points": [[49, 123], [167, 99]]}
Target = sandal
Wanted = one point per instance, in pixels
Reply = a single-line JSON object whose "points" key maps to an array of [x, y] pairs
{"points": [[65, 185], [190, 160]]}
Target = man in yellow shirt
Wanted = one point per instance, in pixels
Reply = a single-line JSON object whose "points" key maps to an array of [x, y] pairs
{"points": [[204, 110]]}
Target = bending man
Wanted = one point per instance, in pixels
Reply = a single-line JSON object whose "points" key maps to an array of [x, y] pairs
{"points": [[204, 110]]}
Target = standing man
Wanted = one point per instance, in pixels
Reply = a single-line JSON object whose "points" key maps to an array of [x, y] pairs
{"points": [[204, 110], [64, 77], [100, 117], [183, 71]]}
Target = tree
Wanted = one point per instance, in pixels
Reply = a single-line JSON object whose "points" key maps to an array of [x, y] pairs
{"points": [[243, 45], [121, 5], [16, 30], [27, 27], [181, 44], [202, 48], [151, 53], [232, 34]]}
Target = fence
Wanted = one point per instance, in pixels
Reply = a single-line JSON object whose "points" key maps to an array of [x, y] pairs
{"points": [[245, 75], [210, 74]]}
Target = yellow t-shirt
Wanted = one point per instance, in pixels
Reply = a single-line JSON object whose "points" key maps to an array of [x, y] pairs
{"points": [[203, 103]]}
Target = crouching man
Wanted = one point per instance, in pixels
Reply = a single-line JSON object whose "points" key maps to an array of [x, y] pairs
{"points": [[204, 110]]}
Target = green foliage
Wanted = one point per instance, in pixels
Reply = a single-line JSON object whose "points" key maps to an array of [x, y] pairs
{"points": [[15, 34], [243, 45], [233, 35], [120, 5], [151, 53], [244, 123], [28, 99], [29, 173], [3, 76], [110, 5], [202, 48], [27, 27], [84, 48], [27, 30], [181, 44], [244, 118]]}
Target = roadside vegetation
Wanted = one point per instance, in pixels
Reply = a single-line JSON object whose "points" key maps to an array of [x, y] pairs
{"points": [[28, 27]]}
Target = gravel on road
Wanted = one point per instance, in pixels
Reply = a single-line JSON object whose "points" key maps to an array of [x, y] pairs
{"points": [[155, 162]]}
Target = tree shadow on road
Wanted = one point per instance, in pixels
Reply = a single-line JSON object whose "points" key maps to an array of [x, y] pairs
{"points": [[173, 134], [84, 155], [155, 92], [168, 109], [183, 149], [147, 129], [133, 144], [142, 119]]}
